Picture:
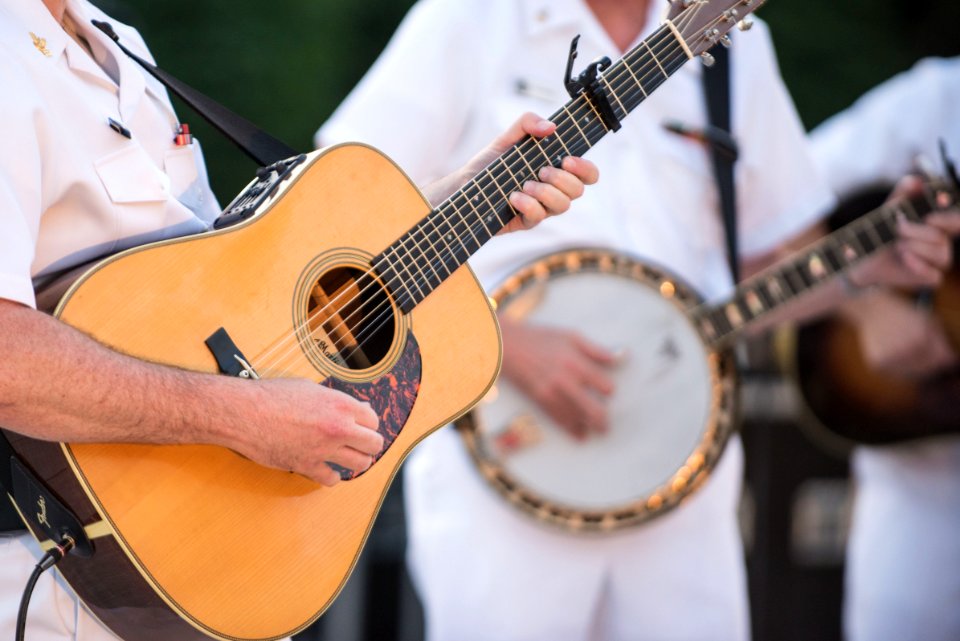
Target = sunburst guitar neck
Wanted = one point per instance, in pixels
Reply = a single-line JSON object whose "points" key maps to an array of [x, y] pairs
{"points": [[333, 268]]}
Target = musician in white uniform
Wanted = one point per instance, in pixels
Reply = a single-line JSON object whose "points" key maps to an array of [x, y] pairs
{"points": [[903, 555], [457, 70], [89, 166]]}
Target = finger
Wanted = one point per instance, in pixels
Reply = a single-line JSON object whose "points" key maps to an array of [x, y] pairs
{"points": [[364, 440], [528, 124], [352, 459], [552, 199], [530, 212], [591, 411], [595, 352], [927, 275], [586, 171], [907, 186], [596, 379], [325, 475], [564, 181], [920, 231], [946, 221], [366, 416]]}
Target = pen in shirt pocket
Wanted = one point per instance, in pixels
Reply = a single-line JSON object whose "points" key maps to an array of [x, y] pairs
{"points": [[183, 137], [120, 129]]}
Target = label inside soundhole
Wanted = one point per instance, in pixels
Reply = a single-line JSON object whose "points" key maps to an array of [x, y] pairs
{"points": [[350, 319]]}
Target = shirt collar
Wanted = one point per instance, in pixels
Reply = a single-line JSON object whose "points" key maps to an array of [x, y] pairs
{"points": [[48, 37]]}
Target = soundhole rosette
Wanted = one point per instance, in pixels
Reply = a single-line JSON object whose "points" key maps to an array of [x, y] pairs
{"points": [[641, 469], [347, 323]]}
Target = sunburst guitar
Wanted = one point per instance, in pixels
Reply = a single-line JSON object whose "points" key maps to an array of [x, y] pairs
{"points": [[674, 406], [332, 267]]}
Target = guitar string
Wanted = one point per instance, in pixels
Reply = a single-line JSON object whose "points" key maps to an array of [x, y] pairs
{"points": [[622, 71], [563, 128], [384, 303], [846, 235], [581, 110], [388, 311]]}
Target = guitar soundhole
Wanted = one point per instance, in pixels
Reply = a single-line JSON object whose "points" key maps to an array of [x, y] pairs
{"points": [[350, 318]]}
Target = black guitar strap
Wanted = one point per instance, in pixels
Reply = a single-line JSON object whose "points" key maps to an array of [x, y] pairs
{"points": [[716, 85], [253, 141], [9, 521]]}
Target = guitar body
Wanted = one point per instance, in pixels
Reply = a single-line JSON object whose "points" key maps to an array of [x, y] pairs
{"points": [[860, 404], [196, 541], [857, 403]]}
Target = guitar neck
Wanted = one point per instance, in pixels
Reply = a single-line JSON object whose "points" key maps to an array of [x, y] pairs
{"points": [[764, 293], [427, 254]]}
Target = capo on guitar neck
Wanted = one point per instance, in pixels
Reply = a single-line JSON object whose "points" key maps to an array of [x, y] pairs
{"points": [[588, 83]]}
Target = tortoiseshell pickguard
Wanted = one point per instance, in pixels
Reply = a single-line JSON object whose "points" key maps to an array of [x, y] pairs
{"points": [[391, 396]]}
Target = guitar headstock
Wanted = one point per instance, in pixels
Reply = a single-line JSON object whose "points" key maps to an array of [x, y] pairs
{"points": [[702, 24]]}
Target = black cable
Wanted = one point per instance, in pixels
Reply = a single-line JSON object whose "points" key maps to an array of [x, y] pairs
{"points": [[47, 561]]}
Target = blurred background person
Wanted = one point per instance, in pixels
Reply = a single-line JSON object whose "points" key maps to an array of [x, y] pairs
{"points": [[904, 546]]}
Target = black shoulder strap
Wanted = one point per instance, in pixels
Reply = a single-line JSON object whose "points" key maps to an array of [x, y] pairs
{"points": [[256, 143], [716, 85], [9, 520]]}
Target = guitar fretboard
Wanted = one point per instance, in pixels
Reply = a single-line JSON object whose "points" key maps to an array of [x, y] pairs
{"points": [[822, 261], [427, 254]]}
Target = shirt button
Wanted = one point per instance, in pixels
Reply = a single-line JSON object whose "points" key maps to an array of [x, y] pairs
{"points": [[543, 15]]}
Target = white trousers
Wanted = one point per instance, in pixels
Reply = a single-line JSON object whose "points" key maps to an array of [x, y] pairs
{"points": [[903, 555], [485, 572], [55, 613]]}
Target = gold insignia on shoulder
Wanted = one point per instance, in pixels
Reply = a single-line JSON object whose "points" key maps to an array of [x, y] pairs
{"points": [[40, 44]]}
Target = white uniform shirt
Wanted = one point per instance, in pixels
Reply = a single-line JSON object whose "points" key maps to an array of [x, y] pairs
{"points": [[459, 72], [71, 187], [904, 546]]}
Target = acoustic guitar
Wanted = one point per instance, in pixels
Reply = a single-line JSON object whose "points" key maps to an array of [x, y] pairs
{"points": [[329, 266], [675, 403], [854, 403]]}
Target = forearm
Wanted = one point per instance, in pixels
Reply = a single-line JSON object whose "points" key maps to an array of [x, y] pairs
{"points": [[58, 384]]}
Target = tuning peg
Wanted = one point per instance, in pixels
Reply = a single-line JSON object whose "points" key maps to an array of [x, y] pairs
{"points": [[745, 25], [725, 41], [707, 59]]}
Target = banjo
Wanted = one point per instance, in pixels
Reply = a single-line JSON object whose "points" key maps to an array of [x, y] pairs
{"points": [[674, 407]]}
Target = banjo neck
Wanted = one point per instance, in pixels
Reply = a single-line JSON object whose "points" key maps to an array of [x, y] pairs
{"points": [[420, 260], [759, 295]]}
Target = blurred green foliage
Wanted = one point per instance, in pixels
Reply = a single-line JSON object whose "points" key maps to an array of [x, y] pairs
{"points": [[286, 65]]}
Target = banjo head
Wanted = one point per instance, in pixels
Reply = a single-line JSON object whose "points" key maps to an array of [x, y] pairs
{"points": [[670, 417]]}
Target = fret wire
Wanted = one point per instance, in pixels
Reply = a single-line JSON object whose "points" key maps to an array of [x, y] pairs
{"points": [[502, 193], [396, 273], [442, 230], [406, 264], [436, 253], [587, 140], [453, 232], [590, 132], [623, 109]]}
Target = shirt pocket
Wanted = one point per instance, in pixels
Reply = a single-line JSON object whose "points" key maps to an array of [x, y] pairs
{"points": [[180, 165], [129, 176]]}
